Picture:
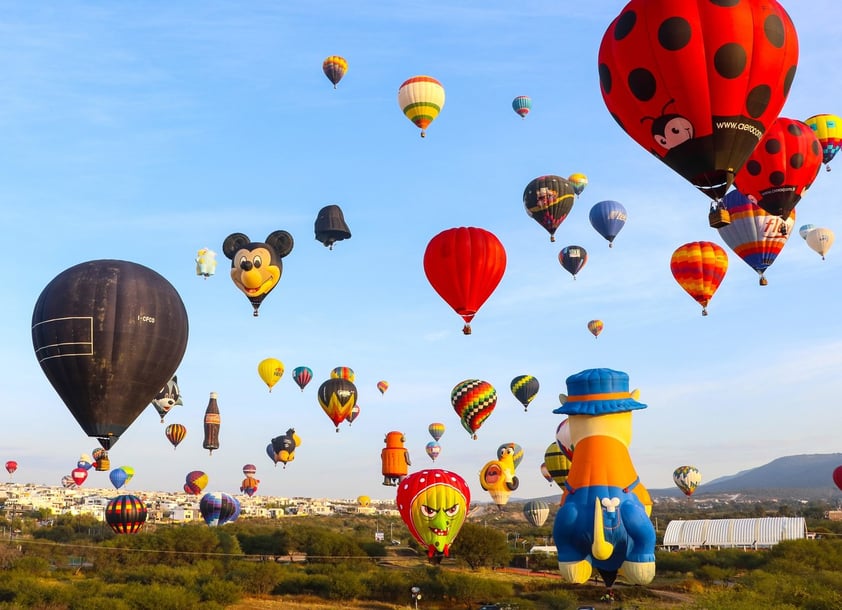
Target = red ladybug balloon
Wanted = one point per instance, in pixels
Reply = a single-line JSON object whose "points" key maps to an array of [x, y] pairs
{"points": [[465, 265], [782, 167], [698, 82]]}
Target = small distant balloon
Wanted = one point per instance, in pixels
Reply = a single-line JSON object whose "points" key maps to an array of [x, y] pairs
{"points": [[302, 375], [524, 388], [175, 433], [433, 450], [205, 262], [579, 182], [421, 98], [353, 415], [595, 326], [522, 104], [608, 218], [343, 372], [573, 258], [536, 512], [687, 478], [436, 430], [118, 477], [820, 240], [805, 229], [330, 226], [79, 475], [335, 68], [125, 514], [473, 400], [699, 268], [270, 370], [382, 386]]}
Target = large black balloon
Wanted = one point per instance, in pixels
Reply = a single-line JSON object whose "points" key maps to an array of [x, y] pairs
{"points": [[108, 335]]}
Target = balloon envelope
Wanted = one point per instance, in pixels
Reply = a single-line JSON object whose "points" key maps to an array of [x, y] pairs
{"points": [[302, 375], [837, 476], [335, 68], [218, 508], [175, 433], [687, 478], [270, 370], [421, 98], [595, 327], [337, 398], [828, 129], [473, 400], [608, 218], [433, 450], [108, 335], [536, 512], [436, 430], [524, 388], [548, 200], [742, 57], [195, 482], [820, 240], [522, 104], [125, 514], [699, 268], [464, 265], [573, 258], [11, 466], [118, 477]]}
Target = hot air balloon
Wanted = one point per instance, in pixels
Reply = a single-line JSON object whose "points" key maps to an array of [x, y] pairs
{"points": [[473, 400], [394, 458], [828, 129], [335, 68], [434, 503], [363, 501], [118, 477], [608, 218], [536, 512], [337, 397], [68, 482], [218, 508], [79, 475], [433, 450], [382, 386], [168, 397], [353, 415], [175, 433], [85, 461], [256, 267], [548, 200], [804, 229], [249, 470], [699, 268], [270, 370], [558, 464], [820, 240], [205, 262], [330, 226], [697, 83], [249, 486], [687, 478], [302, 375], [125, 514], [563, 438], [781, 167], [464, 265], [573, 258], [195, 482], [755, 235], [837, 476], [579, 182], [129, 473], [343, 372], [524, 388], [498, 477], [11, 467], [421, 98], [522, 104], [101, 461], [595, 326], [545, 472], [212, 423], [284, 446], [108, 334], [436, 430]]}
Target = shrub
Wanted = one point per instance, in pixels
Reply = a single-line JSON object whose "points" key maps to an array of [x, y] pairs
{"points": [[223, 592], [161, 597]]}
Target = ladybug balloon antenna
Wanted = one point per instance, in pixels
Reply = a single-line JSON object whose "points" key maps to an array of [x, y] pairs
{"points": [[663, 111]]}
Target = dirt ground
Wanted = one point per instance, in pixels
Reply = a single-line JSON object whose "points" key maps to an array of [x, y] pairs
{"points": [[288, 603]]}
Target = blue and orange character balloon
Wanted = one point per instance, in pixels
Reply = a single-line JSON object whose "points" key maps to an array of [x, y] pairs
{"points": [[256, 267], [603, 520], [395, 458], [434, 503]]}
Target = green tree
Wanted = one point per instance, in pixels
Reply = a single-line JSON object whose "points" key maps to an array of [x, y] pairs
{"points": [[480, 546]]}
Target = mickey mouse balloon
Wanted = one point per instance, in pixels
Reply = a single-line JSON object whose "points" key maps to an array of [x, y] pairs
{"points": [[256, 267], [697, 83]]}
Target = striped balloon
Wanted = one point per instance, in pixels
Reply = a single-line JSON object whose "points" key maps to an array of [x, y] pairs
{"points": [[421, 98], [436, 430], [524, 388], [335, 68], [755, 235], [343, 372], [473, 400], [699, 268], [175, 433], [195, 482], [522, 104], [125, 514], [302, 376], [595, 326], [558, 464]]}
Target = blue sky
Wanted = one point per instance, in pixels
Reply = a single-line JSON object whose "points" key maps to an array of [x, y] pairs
{"points": [[144, 131]]}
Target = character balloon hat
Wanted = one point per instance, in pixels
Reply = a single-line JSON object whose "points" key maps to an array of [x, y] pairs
{"points": [[597, 392]]}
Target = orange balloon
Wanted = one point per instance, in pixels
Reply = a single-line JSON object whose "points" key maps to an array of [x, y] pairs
{"points": [[699, 267]]}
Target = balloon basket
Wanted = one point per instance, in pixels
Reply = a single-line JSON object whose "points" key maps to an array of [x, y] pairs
{"points": [[718, 218]]}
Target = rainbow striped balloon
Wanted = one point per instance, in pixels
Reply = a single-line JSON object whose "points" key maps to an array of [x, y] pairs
{"points": [[699, 267], [421, 98], [473, 400]]}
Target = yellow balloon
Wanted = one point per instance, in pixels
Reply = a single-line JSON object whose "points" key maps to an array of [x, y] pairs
{"points": [[270, 370], [421, 98]]}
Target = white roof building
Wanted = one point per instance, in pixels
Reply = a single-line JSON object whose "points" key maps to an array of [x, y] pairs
{"points": [[763, 532]]}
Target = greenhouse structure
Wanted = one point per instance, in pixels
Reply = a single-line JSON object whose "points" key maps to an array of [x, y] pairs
{"points": [[758, 533]]}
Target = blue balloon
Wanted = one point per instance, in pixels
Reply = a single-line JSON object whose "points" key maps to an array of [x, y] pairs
{"points": [[608, 217], [118, 477]]}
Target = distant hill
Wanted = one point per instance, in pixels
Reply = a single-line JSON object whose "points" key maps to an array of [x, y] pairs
{"points": [[794, 476]]}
